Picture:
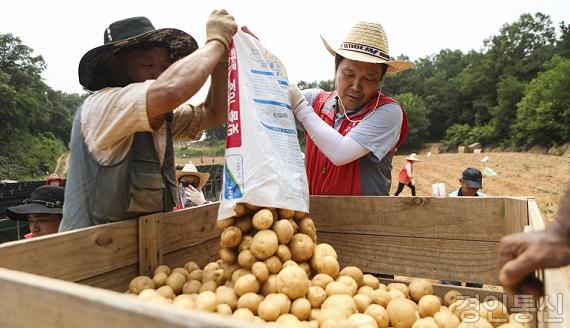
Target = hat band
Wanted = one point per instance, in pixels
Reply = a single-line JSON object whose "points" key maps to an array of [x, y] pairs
{"points": [[44, 203], [365, 49]]}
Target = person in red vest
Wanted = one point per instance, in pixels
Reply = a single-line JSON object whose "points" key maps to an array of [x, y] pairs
{"points": [[406, 177], [353, 132]]}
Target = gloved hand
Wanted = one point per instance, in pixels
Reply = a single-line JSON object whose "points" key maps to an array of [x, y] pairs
{"points": [[221, 26], [296, 98], [195, 195]]}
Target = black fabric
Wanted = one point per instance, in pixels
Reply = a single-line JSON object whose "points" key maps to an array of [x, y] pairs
{"points": [[127, 28], [43, 200], [401, 187], [473, 178]]}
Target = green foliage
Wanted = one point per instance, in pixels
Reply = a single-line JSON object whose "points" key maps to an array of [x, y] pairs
{"points": [[463, 134], [211, 148], [418, 122], [325, 85], [543, 115], [509, 93], [33, 114]]}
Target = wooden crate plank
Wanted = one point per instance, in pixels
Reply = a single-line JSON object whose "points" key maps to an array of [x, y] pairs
{"points": [[117, 280], [184, 228], [460, 260], [150, 250], [68, 305], [75, 255], [516, 215], [429, 217], [201, 253]]}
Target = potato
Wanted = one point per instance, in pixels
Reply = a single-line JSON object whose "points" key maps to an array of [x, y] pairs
{"points": [[246, 284], [362, 320], [286, 317], [166, 292], [240, 209], [299, 215], [162, 268], [185, 302], [226, 295], [316, 296], [208, 286], [329, 265], [268, 310], [206, 301], [250, 301], [228, 255], [180, 270], [445, 319], [191, 266], [494, 311], [425, 323], [244, 224], [260, 271], [243, 314], [148, 294], [263, 219], [338, 288], [245, 243], [481, 323], [283, 252], [419, 288], [368, 291], [402, 313], [140, 283], [379, 314], [159, 279], [428, 305], [370, 281], [293, 282], [216, 275], [222, 224], [197, 274], [289, 263], [176, 281], [246, 259], [321, 280], [465, 308], [273, 264], [191, 287], [307, 226], [284, 230], [450, 297], [223, 309], [348, 281], [301, 308], [344, 304], [294, 224], [231, 237], [362, 302], [305, 266], [512, 325], [323, 249], [270, 286], [301, 247], [264, 244], [382, 297], [252, 207], [283, 301], [396, 293], [401, 287]]}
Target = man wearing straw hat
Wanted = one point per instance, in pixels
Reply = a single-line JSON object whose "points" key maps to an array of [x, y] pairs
{"points": [[190, 184], [121, 163], [353, 132], [406, 177]]}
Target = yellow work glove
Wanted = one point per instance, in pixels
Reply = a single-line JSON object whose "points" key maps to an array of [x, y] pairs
{"points": [[221, 26]]}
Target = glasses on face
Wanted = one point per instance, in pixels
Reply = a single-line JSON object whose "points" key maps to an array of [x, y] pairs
{"points": [[194, 184]]}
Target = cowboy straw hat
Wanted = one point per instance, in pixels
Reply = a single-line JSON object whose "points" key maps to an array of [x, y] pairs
{"points": [[413, 157], [190, 169], [100, 68], [367, 42]]}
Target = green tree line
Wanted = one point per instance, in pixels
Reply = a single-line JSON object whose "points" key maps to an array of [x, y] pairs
{"points": [[36, 120]]}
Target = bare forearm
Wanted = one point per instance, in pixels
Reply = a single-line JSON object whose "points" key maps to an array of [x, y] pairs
{"points": [[216, 103], [182, 79]]}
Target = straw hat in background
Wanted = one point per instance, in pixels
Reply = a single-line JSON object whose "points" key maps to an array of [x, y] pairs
{"points": [[367, 42], [190, 169], [413, 157]]}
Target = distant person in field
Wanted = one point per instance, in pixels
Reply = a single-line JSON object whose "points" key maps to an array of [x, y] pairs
{"points": [[521, 254], [470, 182], [406, 177], [352, 133], [190, 184], [54, 180], [43, 211], [121, 162]]}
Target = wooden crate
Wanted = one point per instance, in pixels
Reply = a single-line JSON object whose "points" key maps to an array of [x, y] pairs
{"points": [[70, 278]]}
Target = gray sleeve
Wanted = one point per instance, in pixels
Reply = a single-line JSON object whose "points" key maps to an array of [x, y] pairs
{"points": [[380, 131]]}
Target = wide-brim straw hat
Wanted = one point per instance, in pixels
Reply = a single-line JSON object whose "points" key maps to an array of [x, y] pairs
{"points": [[100, 68], [367, 42], [190, 169], [413, 157]]}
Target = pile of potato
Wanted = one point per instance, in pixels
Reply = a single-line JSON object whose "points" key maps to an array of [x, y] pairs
{"points": [[271, 270]]}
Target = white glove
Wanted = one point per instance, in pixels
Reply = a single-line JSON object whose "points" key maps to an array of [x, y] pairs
{"points": [[297, 99], [195, 195]]}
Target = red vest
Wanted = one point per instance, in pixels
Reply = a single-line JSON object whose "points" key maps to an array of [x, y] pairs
{"points": [[324, 177]]}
